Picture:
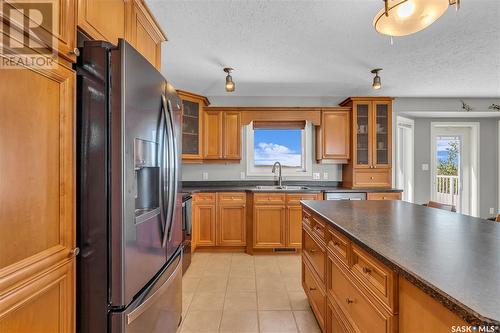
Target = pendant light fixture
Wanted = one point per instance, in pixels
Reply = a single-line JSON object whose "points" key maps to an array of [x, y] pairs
{"points": [[406, 17], [229, 79], [377, 83]]}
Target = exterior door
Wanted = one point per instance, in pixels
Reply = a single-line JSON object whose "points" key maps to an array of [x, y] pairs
{"points": [[37, 195]]}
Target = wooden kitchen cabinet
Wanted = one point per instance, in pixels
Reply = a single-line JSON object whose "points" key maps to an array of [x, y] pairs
{"points": [[293, 227], [222, 135], [212, 135], [94, 19], [37, 233], [231, 219], [383, 196], [204, 219], [142, 31], [269, 226], [192, 125], [371, 149], [333, 135], [231, 135]]}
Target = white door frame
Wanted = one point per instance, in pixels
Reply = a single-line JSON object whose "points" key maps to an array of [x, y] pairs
{"points": [[408, 124], [474, 163]]}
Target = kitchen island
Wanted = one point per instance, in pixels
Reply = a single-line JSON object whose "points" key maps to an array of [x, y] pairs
{"points": [[392, 266]]}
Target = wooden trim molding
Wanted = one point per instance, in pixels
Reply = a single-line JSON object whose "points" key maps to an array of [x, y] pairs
{"points": [[183, 94], [249, 114]]}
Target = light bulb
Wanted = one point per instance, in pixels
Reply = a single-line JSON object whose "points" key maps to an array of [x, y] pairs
{"points": [[406, 9]]}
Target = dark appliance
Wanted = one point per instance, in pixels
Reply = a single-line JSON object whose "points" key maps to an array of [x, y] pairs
{"points": [[129, 214], [186, 231]]}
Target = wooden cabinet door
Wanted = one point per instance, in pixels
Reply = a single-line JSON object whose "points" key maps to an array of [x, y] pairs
{"points": [[142, 31], [269, 226], [212, 135], [37, 195], [231, 225], [335, 135], [102, 19], [362, 134], [204, 216], [232, 135], [381, 134], [294, 226]]}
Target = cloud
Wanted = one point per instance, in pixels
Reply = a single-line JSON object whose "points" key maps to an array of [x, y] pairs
{"points": [[268, 153]]}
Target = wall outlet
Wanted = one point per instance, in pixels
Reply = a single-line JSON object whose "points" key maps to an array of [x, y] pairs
{"points": [[425, 167], [492, 211], [204, 175], [242, 175], [316, 175], [325, 175]]}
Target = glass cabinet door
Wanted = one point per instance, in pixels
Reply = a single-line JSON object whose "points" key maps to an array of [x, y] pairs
{"points": [[363, 132], [190, 129], [382, 129]]}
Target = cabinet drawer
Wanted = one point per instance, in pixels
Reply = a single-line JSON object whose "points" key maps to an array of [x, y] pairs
{"points": [[231, 197], [374, 275], [315, 294], [336, 322], [319, 228], [363, 315], [372, 178], [316, 255], [339, 245], [294, 199], [383, 196], [306, 218], [269, 198], [204, 197]]}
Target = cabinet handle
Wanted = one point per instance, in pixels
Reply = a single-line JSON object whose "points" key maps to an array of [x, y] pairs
{"points": [[75, 51], [372, 178], [336, 243], [313, 250], [312, 288], [374, 166], [367, 270], [349, 301], [74, 252]]}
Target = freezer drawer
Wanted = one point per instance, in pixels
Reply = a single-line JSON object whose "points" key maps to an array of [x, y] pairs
{"points": [[159, 306]]}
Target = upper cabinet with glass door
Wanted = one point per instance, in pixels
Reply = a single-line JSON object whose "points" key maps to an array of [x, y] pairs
{"points": [[382, 126], [192, 125]]}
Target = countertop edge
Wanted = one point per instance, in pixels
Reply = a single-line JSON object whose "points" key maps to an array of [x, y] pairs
{"points": [[458, 308]]}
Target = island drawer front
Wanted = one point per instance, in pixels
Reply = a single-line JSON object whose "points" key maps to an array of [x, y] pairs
{"points": [[315, 294], [319, 228], [372, 178], [294, 199], [232, 197], [315, 254], [339, 245], [336, 322], [383, 196], [269, 198], [362, 314], [207, 198], [374, 275], [307, 218]]}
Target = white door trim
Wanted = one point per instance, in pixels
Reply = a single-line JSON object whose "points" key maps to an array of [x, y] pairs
{"points": [[407, 123], [474, 153]]}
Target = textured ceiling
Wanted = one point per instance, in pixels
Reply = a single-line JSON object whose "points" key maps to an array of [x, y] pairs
{"points": [[326, 48]]}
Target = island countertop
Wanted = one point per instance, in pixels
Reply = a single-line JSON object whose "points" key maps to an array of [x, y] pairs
{"points": [[452, 257]]}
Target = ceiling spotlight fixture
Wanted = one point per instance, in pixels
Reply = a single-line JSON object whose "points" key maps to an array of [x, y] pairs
{"points": [[405, 17], [377, 83], [229, 79]]}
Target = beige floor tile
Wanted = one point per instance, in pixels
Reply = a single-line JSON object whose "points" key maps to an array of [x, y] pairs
{"points": [[298, 300], [219, 269], [242, 300], [239, 322], [293, 283], [205, 301], [237, 283], [201, 322], [194, 271], [270, 283], [268, 271], [186, 301], [273, 300], [276, 322], [306, 322], [289, 271], [212, 284], [242, 271], [189, 285]]}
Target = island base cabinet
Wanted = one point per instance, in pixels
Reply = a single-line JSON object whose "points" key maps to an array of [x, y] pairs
{"points": [[314, 292]]}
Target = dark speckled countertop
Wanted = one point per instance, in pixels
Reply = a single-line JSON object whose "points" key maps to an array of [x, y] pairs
{"points": [[452, 257]]}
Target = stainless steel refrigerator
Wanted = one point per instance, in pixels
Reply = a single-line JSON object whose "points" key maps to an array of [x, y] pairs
{"points": [[129, 214]]}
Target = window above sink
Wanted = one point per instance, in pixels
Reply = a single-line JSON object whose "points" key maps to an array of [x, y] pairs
{"points": [[289, 143]]}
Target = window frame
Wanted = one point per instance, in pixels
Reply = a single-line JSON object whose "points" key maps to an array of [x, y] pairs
{"points": [[305, 170]]}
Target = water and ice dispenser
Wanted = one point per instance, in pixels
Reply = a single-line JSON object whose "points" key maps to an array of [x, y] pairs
{"points": [[147, 178]]}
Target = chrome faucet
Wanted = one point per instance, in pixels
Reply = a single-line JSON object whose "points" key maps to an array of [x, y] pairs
{"points": [[279, 174]]}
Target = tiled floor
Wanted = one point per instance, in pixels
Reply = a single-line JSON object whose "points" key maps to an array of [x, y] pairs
{"points": [[238, 293]]}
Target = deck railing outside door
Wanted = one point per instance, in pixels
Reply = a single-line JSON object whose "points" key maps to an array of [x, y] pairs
{"points": [[447, 188]]}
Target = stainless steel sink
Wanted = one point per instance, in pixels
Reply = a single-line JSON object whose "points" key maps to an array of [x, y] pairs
{"points": [[281, 188]]}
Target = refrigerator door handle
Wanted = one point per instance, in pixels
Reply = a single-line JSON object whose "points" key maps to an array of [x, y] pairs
{"points": [[175, 171], [170, 204], [164, 163], [151, 299]]}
